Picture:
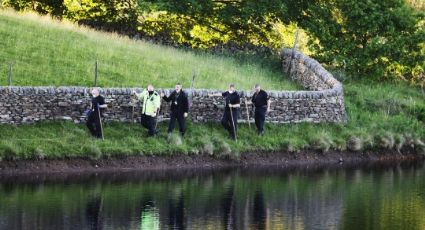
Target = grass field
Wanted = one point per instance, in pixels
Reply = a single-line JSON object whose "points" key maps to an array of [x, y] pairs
{"points": [[46, 52], [390, 117], [380, 115]]}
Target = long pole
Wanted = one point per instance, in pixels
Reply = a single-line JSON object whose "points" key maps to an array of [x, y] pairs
{"points": [[233, 123], [157, 117], [132, 112], [100, 121], [95, 73], [192, 84], [133, 102], [193, 79], [10, 74], [293, 51], [247, 113]]}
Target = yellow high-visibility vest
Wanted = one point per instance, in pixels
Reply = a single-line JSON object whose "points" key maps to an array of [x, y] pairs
{"points": [[151, 103]]}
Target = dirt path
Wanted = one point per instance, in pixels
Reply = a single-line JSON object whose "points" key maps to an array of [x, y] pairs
{"points": [[180, 161]]}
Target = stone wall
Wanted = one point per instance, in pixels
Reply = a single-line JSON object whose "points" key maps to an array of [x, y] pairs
{"points": [[323, 103]]}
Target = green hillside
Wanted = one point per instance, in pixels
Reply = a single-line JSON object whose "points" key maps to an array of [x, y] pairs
{"points": [[46, 52], [384, 115]]}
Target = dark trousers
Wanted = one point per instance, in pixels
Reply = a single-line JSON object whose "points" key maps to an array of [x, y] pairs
{"points": [[93, 123], [180, 119], [149, 123], [260, 117], [227, 123]]}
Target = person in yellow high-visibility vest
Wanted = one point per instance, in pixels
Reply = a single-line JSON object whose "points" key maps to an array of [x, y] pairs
{"points": [[151, 101]]}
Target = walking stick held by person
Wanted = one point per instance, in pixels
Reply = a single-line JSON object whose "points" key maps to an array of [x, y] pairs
{"points": [[247, 113], [100, 121], [233, 122], [157, 117], [231, 110], [94, 118]]}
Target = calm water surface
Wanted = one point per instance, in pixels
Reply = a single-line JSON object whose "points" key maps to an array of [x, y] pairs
{"points": [[356, 197]]}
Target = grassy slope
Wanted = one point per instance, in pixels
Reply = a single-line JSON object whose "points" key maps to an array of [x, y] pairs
{"points": [[45, 52], [389, 116], [381, 115]]}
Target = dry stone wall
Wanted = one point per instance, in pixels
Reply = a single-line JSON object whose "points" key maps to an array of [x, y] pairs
{"points": [[323, 100]]}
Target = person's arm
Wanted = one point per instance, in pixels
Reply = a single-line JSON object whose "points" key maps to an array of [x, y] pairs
{"points": [[157, 101], [215, 95], [169, 98], [102, 103], [139, 96], [269, 102]]}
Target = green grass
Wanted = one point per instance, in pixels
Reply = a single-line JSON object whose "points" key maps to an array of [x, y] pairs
{"points": [[386, 117], [46, 52], [381, 115]]}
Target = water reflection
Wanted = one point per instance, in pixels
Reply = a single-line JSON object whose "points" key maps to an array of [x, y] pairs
{"points": [[93, 209], [368, 197]]}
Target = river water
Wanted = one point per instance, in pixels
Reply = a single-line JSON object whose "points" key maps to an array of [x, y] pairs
{"points": [[390, 196]]}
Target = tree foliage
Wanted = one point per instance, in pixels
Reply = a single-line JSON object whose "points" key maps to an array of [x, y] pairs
{"points": [[370, 38], [111, 15]]}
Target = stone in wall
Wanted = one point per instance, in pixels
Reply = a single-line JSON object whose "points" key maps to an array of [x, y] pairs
{"points": [[322, 101]]}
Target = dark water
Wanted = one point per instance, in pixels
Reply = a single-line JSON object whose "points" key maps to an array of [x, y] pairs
{"points": [[367, 197]]}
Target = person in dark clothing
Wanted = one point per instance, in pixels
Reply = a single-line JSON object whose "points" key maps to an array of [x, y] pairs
{"points": [[179, 108], [95, 113], [261, 102], [93, 213], [233, 103]]}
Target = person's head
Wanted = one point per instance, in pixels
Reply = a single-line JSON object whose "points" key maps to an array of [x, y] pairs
{"points": [[150, 88], [231, 88], [257, 88], [95, 91], [178, 87]]}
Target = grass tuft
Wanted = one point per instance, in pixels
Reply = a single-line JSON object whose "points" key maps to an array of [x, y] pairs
{"points": [[93, 152], [8, 151], [174, 139], [355, 144], [208, 148]]}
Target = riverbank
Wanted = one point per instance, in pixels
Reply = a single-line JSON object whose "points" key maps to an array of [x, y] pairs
{"points": [[182, 162]]}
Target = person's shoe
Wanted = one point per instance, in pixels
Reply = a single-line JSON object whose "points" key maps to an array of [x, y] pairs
{"points": [[261, 133]]}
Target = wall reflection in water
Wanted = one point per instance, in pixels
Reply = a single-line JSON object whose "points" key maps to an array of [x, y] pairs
{"points": [[367, 197]]}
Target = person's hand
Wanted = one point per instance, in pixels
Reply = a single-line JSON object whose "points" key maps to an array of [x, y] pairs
{"points": [[185, 114], [162, 94]]}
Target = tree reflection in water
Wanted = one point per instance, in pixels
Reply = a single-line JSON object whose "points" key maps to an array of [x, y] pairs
{"points": [[371, 197]]}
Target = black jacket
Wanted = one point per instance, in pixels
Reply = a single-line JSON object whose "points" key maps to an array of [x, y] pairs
{"points": [[260, 99], [179, 102], [231, 98], [99, 100]]}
